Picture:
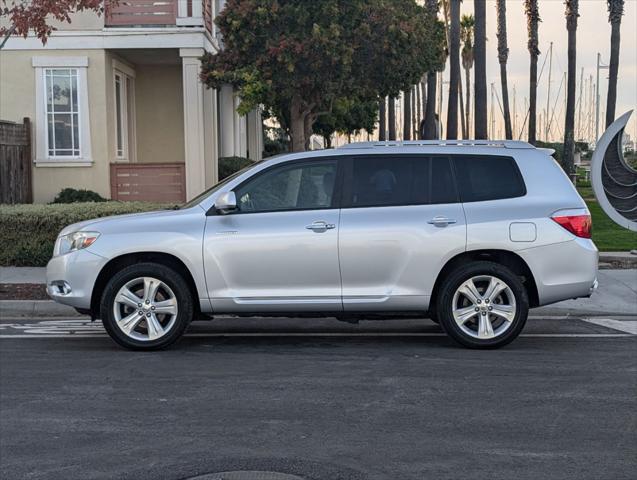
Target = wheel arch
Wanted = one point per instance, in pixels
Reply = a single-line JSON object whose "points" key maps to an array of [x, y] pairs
{"points": [[127, 259], [506, 258]]}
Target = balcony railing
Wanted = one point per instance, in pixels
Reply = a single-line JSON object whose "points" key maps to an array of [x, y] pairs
{"points": [[131, 13]]}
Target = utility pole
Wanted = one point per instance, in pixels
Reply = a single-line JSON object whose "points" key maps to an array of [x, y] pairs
{"points": [[600, 66], [548, 94]]}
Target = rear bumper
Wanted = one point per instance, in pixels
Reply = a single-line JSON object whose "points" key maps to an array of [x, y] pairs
{"points": [[563, 271], [70, 278]]}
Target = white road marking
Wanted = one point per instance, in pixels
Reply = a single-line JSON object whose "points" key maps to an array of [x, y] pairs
{"points": [[628, 326], [326, 334]]}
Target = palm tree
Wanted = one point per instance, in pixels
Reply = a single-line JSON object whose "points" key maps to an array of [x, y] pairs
{"points": [[407, 114], [430, 129], [391, 118], [572, 7], [382, 119], [615, 12], [532, 21], [503, 55], [454, 70], [466, 34], [480, 72]]}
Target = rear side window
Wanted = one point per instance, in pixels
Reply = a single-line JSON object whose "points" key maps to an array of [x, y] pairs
{"points": [[482, 178], [382, 181]]}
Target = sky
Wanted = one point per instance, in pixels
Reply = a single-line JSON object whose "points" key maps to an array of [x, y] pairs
{"points": [[593, 36]]}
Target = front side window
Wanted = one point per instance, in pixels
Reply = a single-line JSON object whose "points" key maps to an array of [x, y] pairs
{"points": [[305, 186], [62, 112], [482, 178]]}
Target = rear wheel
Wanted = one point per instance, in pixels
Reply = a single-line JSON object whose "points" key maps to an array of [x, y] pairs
{"points": [[146, 306], [483, 305]]}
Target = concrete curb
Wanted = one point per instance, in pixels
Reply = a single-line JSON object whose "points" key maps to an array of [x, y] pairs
{"points": [[617, 260], [35, 308]]}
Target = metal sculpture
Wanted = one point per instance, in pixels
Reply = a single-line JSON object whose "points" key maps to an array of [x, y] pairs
{"points": [[614, 181]]}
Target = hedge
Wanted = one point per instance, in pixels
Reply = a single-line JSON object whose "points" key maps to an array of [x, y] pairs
{"points": [[230, 165], [28, 232]]}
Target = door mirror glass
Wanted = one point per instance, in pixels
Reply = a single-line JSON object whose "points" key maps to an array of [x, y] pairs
{"points": [[226, 202]]}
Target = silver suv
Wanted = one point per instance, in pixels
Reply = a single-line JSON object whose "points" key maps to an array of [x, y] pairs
{"points": [[471, 234]]}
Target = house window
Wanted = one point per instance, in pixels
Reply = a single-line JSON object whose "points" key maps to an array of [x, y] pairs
{"points": [[62, 135], [62, 112], [124, 109]]}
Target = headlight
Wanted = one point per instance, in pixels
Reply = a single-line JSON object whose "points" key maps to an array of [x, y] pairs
{"points": [[74, 241]]}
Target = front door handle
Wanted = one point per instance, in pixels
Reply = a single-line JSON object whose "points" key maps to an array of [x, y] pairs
{"points": [[320, 225], [441, 221]]}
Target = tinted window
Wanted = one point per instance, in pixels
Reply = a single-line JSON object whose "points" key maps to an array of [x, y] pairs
{"points": [[488, 178], [399, 180], [294, 187]]}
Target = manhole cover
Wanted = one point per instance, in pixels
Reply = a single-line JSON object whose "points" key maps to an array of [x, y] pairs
{"points": [[247, 475]]}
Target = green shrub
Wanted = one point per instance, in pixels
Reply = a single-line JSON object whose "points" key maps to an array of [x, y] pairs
{"points": [[72, 195], [230, 165], [28, 232]]}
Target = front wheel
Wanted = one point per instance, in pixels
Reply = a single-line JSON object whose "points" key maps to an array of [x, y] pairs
{"points": [[146, 306], [483, 305]]}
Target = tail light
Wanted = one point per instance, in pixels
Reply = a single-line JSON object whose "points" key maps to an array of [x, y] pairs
{"points": [[578, 225]]}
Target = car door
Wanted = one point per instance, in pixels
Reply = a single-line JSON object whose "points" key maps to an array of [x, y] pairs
{"points": [[400, 222], [278, 251]]}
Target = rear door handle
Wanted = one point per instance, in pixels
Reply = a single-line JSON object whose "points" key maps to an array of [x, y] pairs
{"points": [[320, 225], [441, 221]]}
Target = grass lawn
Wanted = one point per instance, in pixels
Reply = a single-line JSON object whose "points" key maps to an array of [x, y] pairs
{"points": [[607, 235]]}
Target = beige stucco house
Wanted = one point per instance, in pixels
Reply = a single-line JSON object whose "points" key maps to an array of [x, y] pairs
{"points": [[116, 103]]}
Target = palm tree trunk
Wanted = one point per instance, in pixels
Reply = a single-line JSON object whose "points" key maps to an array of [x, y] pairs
{"points": [[615, 12], [391, 118], [382, 119], [533, 18], [467, 108], [503, 55], [480, 82], [430, 109], [407, 114], [572, 7], [454, 70]]}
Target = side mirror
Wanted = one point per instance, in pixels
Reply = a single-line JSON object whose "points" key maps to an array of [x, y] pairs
{"points": [[226, 203]]}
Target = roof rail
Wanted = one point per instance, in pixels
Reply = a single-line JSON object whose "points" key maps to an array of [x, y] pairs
{"points": [[441, 143]]}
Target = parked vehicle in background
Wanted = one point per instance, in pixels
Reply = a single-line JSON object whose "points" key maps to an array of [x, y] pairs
{"points": [[469, 233]]}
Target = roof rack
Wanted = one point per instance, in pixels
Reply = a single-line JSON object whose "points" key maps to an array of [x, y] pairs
{"points": [[441, 143]]}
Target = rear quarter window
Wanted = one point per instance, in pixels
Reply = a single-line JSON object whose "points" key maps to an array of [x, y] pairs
{"points": [[483, 177]]}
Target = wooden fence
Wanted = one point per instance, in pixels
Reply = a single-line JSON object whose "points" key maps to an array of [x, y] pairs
{"points": [[141, 12], [15, 162], [148, 182]]}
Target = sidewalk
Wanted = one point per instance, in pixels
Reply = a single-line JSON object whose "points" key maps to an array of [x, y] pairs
{"points": [[616, 295]]}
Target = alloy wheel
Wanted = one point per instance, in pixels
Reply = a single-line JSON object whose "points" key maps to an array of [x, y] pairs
{"points": [[145, 309], [484, 307]]}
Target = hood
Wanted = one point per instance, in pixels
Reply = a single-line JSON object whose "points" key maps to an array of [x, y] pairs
{"points": [[99, 224]]}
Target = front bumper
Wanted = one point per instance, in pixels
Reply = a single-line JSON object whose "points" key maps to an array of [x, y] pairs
{"points": [[70, 278]]}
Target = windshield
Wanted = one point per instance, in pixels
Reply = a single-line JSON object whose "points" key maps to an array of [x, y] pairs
{"points": [[216, 187]]}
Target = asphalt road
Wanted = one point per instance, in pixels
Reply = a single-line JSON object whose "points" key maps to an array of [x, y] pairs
{"points": [[321, 400]]}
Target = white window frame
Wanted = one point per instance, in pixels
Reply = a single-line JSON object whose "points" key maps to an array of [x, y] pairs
{"points": [[42, 158], [127, 111]]}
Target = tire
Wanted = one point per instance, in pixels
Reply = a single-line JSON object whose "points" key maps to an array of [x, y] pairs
{"points": [[163, 318], [497, 319]]}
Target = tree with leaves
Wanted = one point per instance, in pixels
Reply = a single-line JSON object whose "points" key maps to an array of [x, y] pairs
{"points": [[466, 35], [22, 16], [503, 56], [615, 12], [480, 70], [571, 13], [296, 57], [348, 117], [532, 22], [429, 130]]}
